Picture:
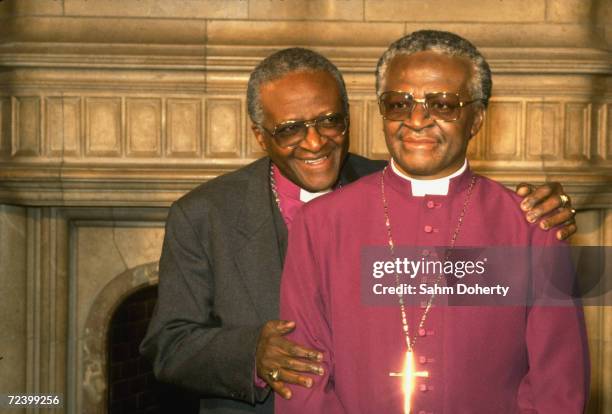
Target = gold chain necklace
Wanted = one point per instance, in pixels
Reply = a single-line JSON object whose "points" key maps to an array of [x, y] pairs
{"points": [[410, 343], [274, 190]]}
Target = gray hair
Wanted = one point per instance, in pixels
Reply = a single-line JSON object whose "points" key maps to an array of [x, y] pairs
{"points": [[444, 43], [282, 63]]}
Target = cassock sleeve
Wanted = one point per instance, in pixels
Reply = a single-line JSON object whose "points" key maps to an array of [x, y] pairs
{"points": [[304, 300], [188, 345], [558, 377]]}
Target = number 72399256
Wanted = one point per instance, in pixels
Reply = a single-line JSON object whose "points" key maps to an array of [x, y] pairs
{"points": [[32, 400]]}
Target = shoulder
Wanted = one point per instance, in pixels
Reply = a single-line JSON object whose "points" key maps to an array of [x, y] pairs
{"points": [[498, 189], [502, 205], [364, 166], [356, 166], [499, 199], [223, 192], [350, 200]]}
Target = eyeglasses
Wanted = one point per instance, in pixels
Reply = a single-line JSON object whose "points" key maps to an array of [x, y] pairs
{"points": [[439, 106], [291, 133]]}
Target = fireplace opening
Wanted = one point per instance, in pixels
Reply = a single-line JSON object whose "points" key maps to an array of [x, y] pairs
{"points": [[131, 384]]}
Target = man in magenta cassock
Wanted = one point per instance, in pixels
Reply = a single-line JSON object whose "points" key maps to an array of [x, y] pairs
{"points": [[433, 90]]}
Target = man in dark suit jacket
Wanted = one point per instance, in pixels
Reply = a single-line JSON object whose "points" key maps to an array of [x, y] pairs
{"points": [[215, 329]]}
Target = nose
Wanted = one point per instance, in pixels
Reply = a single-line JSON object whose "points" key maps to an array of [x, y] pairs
{"points": [[313, 141], [419, 117]]}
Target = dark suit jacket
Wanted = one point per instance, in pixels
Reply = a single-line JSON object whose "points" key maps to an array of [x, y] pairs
{"points": [[219, 283]]}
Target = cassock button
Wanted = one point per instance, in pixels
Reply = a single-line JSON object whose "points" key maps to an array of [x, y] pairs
{"points": [[425, 253], [422, 332], [428, 228], [431, 204], [422, 360], [423, 388]]}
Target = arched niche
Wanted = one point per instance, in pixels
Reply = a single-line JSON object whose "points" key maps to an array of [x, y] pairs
{"points": [[94, 373]]}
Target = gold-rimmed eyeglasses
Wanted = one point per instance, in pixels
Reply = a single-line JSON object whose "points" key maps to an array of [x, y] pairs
{"points": [[439, 106]]}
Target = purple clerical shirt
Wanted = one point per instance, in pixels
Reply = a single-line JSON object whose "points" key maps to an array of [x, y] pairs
{"points": [[516, 359], [288, 196]]}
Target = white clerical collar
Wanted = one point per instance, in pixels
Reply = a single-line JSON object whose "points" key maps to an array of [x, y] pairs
{"points": [[420, 188], [307, 196]]}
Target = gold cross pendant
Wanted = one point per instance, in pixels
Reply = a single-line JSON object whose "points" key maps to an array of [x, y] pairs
{"points": [[409, 374]]}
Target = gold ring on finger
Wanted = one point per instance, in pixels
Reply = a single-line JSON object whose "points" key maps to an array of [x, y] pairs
{"points": [[564, 200], [274, 374]]}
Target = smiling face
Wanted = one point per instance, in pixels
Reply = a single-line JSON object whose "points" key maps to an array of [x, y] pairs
{"points": [[314, 164], [421, 147]]}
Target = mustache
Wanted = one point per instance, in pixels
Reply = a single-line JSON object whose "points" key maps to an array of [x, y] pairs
{"points": [[404, 133]]}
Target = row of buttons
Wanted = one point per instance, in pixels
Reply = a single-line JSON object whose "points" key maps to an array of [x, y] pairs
{"points": [[422, 332], [428, 228]]}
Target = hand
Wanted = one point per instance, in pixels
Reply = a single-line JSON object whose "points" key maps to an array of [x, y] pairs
{"points": [[545, 203], [275, 354]]}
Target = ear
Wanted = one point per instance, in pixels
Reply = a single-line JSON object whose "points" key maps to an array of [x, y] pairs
{"points": [[259, 136], [477, 120]]}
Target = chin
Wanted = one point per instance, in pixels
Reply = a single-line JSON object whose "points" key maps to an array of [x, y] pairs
{"points": [[315, 181], [418, 169], [318, 186]]}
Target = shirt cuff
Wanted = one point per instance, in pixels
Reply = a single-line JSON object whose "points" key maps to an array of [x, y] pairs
{"points": [[258, 381]]}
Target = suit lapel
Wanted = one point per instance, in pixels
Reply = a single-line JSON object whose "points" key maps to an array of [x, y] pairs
{"points": [[260, 243]]}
